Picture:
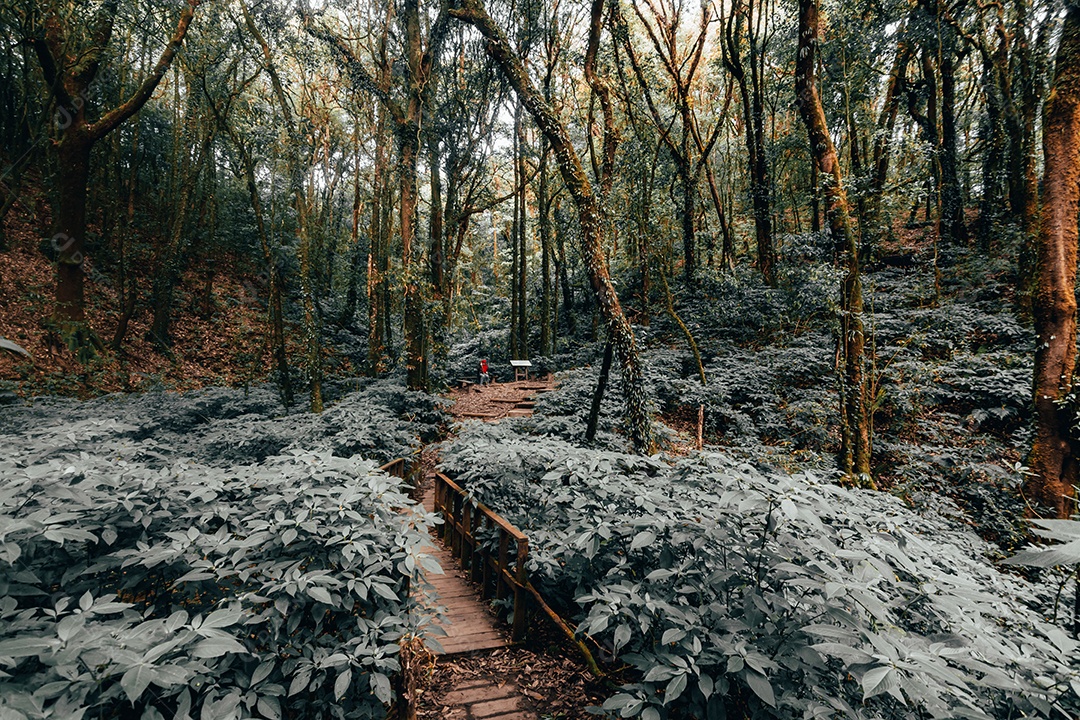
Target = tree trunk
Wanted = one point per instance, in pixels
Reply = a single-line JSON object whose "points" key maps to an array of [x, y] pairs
{"points": [[953, 227], [73, 155], [547, 346], [855, 430], [1052, 460], [877, 227], [590, 217], [69, 81], [598, 395]]}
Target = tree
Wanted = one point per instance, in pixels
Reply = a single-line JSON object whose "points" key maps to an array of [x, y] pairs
{"points": [[1052, 460], [749, 20], [407, 115], [690, 150], [70, 57], [590, 217], [855, 439]]}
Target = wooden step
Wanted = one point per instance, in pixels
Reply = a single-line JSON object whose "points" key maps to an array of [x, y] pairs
{"points": [[519, 412]]}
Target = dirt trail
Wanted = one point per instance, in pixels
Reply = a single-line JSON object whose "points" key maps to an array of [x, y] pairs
{"points": [[497, 400]]}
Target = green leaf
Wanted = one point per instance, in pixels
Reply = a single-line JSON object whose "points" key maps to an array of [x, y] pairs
{"points": [[136, 679], [643, 539], [761, 687], [342, 683], [650, 713]]}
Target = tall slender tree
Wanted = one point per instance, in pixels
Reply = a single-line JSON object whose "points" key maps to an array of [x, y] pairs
{"points": [[590, 217], [855, 441]]}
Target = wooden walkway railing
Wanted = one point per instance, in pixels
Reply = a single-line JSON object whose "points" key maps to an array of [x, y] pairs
{"points": [[497, 567], [493, 554], [399, 468]]}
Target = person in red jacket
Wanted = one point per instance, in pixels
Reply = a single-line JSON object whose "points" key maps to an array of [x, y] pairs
{"points": [[484, 377]]}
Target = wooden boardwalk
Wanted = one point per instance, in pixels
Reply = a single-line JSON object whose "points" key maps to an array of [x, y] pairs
{"points": [[471, 626]]}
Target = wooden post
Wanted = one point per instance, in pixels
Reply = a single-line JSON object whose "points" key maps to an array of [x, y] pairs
{"points": [[485, 561], [500, 581], [700, 425], [517, 634]]}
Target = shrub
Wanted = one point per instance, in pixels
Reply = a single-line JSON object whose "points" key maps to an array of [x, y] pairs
{"points": [[727, 589], [137, 583]]}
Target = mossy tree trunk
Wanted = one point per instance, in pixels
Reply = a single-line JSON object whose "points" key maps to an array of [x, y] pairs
{"points": [[855, 421], [1052, 460], [591, 219]]}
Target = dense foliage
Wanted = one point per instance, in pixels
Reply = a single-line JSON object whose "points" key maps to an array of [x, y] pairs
{"points": [[188, 556], [729, 589]]}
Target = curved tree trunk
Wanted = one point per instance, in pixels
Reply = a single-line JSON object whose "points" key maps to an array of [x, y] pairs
{"points": [[589, 214], [1052, 460]]}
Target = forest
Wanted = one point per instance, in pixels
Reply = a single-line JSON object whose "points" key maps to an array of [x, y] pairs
{"points": [[720, 351]]}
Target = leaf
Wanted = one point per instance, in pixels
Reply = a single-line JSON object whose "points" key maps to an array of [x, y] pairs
{"points": [[8, 345], [24, 646], [849, 655], [672, 635], [299, 681], [342, 683], [1067, 554], [622, 636], [262, 672], [270, 707], [761, 687], [216, 647], [878, 680], [320, 594], [221, 618], [288, 536], [380, 685], [650, 713], [675, 688], [136, 679], [659, 673], [643, 539]]}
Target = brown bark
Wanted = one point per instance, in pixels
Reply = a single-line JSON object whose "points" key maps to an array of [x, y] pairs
{"points": [[855, 426], [69, 76], [589, 214], [876, 225], [1052, 460], [953, 227]]}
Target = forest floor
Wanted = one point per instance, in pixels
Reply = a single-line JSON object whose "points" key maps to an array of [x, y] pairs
{"points": [[218, 325]]}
